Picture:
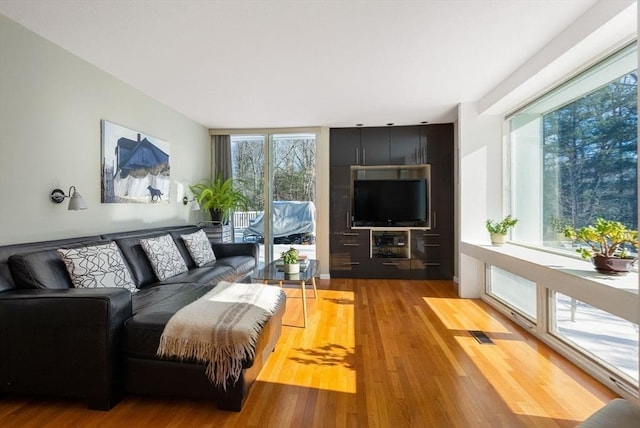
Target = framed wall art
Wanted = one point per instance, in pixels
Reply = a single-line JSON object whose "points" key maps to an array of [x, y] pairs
{"points": [[135, 166]]}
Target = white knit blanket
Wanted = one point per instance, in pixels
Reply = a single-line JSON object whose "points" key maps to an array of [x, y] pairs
{"points": [[221, 328]]}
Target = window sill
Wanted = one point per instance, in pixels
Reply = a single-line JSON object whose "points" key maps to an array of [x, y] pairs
{"points": [[573, 277]]}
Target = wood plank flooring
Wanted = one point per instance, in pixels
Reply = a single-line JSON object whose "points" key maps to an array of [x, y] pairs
{"points": [[376, 353]]}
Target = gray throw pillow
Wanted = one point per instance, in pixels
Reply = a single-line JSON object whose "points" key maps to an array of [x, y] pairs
{"points": [[199, 247], [97, 266], [164, 256]]}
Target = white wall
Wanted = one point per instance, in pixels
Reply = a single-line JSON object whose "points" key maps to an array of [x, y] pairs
{"points": [[481, 183], [51, 104]]}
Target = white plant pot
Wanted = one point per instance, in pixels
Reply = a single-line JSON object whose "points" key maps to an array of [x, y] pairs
{"points": [[498, 239], [292, 268]]}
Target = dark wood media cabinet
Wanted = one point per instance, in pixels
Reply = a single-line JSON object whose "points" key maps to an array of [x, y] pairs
{"points": [[394, 252]]}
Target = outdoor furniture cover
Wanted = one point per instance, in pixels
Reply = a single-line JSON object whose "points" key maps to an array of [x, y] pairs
{"points": [[289, 218]]}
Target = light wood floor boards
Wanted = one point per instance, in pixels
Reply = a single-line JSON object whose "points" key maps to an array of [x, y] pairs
{"points": [[376, 353]]}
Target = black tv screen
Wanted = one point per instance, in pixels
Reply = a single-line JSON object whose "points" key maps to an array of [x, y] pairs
{"points": [[400, 203]]}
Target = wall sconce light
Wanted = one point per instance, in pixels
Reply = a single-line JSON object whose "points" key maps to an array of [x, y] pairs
{"points": [[195, 206], [76, 201]]}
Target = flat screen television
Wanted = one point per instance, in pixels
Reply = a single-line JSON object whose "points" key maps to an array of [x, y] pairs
{"points": [[399, 203]]}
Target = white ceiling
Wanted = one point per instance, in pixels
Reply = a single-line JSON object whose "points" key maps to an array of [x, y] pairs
{"points": [[250, 64]]}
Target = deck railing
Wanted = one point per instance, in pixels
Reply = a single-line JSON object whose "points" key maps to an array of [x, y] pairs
{"points": [[241, 219]]}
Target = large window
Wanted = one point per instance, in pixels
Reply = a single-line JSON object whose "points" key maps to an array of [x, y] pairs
{"points": [[574, 153], [573, 158]]}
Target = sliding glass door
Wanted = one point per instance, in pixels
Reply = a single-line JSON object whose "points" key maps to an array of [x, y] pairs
{"points": [[277, 174]]}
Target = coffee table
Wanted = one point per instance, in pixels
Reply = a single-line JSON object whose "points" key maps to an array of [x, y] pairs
{"points": [[275, 273]]}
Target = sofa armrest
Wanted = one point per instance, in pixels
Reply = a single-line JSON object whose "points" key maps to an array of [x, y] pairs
{"points": [[237, 249], [63, 343]]}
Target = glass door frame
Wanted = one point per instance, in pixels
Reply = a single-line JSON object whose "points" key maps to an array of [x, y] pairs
{"points": [[269, 146]]}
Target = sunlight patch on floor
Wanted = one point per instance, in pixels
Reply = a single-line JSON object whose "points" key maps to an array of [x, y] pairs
{"points": [[464, 314], [324, 358], [515, 372], [526, 380]]}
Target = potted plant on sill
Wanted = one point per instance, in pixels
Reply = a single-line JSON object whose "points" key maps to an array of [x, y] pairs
{"points": [[290, 260], [499, 230], [219, 197], [607, 245]]}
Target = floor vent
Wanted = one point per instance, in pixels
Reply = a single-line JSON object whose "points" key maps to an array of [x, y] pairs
{"points": [[481, 337]]}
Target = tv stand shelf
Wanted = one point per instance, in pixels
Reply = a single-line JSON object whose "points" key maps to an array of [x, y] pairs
{"points": [[387, 244]]}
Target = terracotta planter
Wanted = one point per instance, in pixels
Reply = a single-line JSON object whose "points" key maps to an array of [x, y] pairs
{"points": [[498, 239], [292, 268], [613, 265]]}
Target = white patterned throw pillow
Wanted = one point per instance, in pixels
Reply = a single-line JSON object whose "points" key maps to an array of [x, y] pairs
{"points": [[164, 256], [97, 266], [199, 247]]}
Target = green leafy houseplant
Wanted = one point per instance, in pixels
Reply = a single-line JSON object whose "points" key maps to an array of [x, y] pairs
{"points": [[219, 197], [499, 229], [290, 260], [290, 256], [604, 238]]}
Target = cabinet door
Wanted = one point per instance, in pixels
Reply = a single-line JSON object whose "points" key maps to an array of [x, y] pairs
{"points": [[349, 254], [340, 198], [441, 203], [436, 144], [344, 149], [404, 145], [375, 146], [389, 269], [431, 257]]}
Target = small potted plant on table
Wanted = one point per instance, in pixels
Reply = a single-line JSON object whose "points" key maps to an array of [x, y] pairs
{"points": [[499, 229], [290, 260], [607, 242]]}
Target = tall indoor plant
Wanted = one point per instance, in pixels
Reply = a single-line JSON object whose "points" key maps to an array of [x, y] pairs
{"points": [[607, 243], [219, 197]]}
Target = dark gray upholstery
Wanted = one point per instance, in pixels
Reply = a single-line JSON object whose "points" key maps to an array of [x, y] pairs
{"points": [[617, 413], [57, 340], [6, 280]]}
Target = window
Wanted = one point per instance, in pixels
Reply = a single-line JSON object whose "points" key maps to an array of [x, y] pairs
{"points": [[574, 153], [573, 158], [608, 339], [516, 292]]}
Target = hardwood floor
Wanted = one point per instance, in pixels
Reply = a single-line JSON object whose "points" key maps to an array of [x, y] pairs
{"points": [[376, 353]]}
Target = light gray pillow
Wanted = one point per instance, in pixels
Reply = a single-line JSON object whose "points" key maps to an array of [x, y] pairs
{"points": [[97, 266], [199, 247], [164, 256]]}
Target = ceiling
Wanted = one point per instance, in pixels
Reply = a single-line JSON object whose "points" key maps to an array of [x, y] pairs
{"points": [[254, 64]]}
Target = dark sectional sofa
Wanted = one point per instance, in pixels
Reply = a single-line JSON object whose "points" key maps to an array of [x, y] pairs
{"points": [[97, 343]]}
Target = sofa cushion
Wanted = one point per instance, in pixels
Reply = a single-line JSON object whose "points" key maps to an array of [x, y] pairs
{"points": [[164, 256], [618, 413], [152, 308], [209, 274], [42, 268], [139, 265], [6, 280], [97, 266], [241, 265], [199, 247]]}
